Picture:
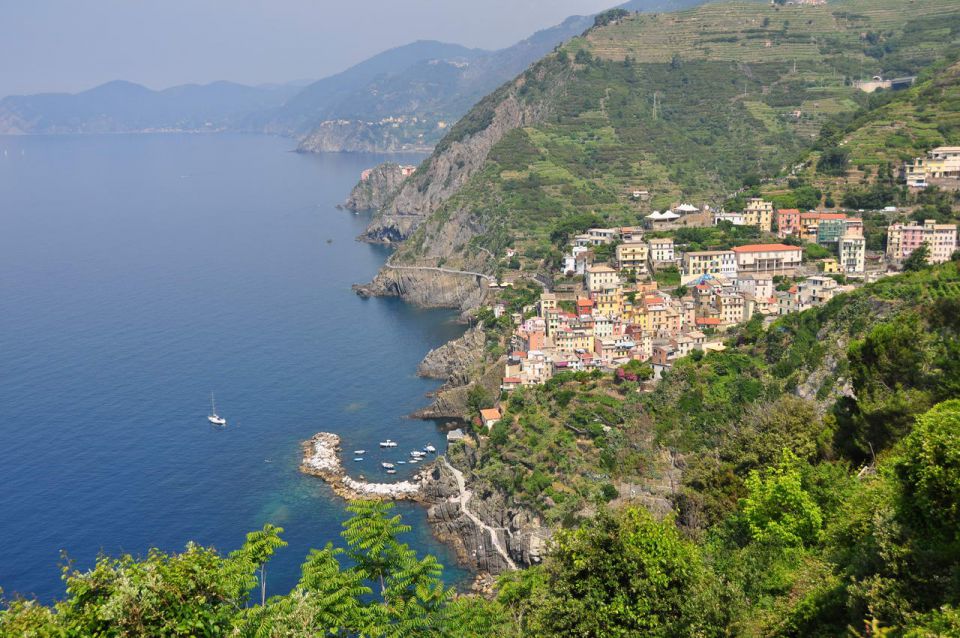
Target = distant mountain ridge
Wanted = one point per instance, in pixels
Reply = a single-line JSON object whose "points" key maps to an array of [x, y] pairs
{"points": [[401, 99], [121, 107]]}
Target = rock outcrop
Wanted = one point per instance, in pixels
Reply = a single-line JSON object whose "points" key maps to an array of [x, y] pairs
{"points": [[458, 157], [428, 288], [454, 358], [487, 534], [352, 136], [376, 190]]}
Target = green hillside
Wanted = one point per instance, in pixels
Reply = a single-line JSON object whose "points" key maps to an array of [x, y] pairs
{"points": [[686, 105]]}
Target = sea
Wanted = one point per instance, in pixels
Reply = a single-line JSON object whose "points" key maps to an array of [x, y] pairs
{"points": [[141, 273]]}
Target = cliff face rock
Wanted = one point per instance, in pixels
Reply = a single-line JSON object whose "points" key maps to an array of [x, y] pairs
{"points": [[457, 158], [491, 532], [454, 357], [427, 288], [375, 191], [450, 401], [348, 136]]}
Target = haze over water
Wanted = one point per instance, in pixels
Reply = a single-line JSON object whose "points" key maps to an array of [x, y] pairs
{"points": [[137, 274]]}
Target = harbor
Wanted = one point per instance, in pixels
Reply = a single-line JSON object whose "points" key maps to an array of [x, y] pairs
{"points": [[322, 458]]}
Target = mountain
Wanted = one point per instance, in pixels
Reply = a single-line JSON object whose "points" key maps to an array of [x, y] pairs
{"points": [[409, 108], [401, 99], [119, 107], [686, 105]]}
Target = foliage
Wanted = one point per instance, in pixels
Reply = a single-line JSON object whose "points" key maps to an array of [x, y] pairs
{"points": [[778, 509], [622, 575]]}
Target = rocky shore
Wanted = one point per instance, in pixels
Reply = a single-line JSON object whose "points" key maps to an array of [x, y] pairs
{"points": [[321, 458]]}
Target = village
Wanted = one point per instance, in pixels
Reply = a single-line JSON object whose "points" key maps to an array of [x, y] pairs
{"points": [[654, 301]]}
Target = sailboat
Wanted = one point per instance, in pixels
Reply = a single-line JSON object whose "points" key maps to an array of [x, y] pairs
{"points": [[215, 418]]}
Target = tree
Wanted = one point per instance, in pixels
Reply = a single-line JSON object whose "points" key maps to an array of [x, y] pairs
{"points": [[259, 548], [777, 508], [929, 470], [833, 161], [620, 575], [918, 259]]}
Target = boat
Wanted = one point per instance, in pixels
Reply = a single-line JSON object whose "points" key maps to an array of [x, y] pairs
{"points": [[387, 466], [418, 455], [430, 448], [391, 471], [401, 462], [215, 418], [359, 452], [414, 461], [388, 443], [358, 459]]}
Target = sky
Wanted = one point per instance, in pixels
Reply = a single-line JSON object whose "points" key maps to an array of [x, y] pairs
{"points": [[71, 45]]}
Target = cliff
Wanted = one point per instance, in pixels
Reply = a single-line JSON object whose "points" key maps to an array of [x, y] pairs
{"points": [[373, 192], [463, 152], [350, 136]]}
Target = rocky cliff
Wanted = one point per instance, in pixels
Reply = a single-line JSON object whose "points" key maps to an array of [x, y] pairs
{"points": [[488, 535], [428, 288], [350, 136], [373, 192], [463, 152]]}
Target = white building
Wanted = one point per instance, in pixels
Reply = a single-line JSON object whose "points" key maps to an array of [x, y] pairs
{"points": [[852, 251]]}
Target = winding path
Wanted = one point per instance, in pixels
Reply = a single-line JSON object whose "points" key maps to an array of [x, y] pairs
{"points": [[465, 496], [451, 271]]}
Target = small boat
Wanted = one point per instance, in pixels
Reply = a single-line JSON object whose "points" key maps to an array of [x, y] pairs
{"points": [[387, 466], [391, 471], [215, 418], [388, 443], [358, 459], [414, 461], [359, 452], [418, 455], [430, 449], [401, 462]]}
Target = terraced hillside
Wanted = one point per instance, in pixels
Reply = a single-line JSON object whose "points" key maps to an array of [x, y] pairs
{"points": [[685, 105]]}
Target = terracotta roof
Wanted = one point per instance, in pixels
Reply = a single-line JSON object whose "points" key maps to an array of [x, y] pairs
{"points": [[759, 248], [491, 414], [789, 211], [708, 321], [511, 379], [519, 354]]}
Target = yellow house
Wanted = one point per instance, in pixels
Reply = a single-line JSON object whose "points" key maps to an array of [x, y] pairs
{"points": [[759, 213], [830, 266]]}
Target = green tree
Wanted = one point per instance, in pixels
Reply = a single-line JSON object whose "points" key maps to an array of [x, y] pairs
{"points": [[918, 259], [259, 548], [777, 508], [620, 575], [929, 470]]}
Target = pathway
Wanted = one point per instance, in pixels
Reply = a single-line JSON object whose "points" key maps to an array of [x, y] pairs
{"points": [[465, 496]]}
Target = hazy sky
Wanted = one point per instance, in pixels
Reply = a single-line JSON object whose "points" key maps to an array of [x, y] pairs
{"points": [[56, 45]]}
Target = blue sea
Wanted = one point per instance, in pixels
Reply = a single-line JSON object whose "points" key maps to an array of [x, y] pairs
{"points": [[138, 274]]}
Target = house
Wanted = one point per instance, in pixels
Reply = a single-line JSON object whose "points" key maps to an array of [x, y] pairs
{"points": [[830, 267], [633, 256], [661, 250], [788, 222], [737, 219], [602, 277], [490, 416], [661, 221], [941, 163], [759, 213], [709, 262], [776, 259], [600, 236], [852, 250], [941, 239]]}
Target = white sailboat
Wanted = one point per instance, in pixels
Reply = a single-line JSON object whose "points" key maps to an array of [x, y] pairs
{"points": [[215, 418]]}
